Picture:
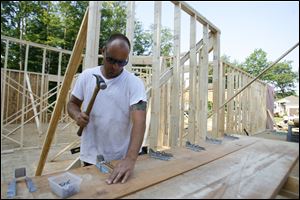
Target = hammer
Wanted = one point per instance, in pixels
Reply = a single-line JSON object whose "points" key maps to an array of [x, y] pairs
{"points": [[100, 84]]}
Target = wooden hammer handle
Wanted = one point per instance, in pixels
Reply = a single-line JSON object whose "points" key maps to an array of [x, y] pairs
{"points": [[89, 108]]}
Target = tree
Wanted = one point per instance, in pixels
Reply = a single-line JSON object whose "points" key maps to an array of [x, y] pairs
{"points": [[113, 19], [280, 76], [283, 78], [225, 58], [57, 24], [142, 40], [166, 43], [256, 62], [71, 13]]}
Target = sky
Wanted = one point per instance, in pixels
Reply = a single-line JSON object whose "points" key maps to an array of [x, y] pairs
{"points": [[245, 26]]}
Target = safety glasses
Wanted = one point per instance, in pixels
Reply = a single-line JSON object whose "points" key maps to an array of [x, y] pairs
{"points": [[121, 63]]}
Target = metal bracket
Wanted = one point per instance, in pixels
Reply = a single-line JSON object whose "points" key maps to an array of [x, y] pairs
{"points": [[230, 137], [30, 185], [104, 166], [160, 155], [213, 141], [194, 147], [12, 187]]}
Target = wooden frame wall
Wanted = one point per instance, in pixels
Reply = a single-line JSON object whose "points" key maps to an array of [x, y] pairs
{"points": [[248, 109], [172, 122]]}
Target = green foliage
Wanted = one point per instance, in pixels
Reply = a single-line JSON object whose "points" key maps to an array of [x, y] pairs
{"points": [[256, 62], [225, 58], [142, 40], [209, 105], [166, 43], [56, 23], [283, 78], [281, 75], [113, 19]]}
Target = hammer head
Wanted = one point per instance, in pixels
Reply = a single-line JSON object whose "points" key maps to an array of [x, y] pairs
{"points": [[100, 82]]}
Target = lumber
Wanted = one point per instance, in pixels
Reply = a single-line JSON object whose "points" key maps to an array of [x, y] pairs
{"points": [[254, 172], [73, 65], [244, 168], [258, 76], [154, 126]]}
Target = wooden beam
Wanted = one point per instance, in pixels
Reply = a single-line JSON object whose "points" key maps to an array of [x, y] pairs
{"points": [[148, 120], [216, 90], [191, 11], [229, 105], [245, 108], [174, 99], [73, 65], [169, 73], [3, 87], [192, 74], [238, 103], [75, 142], [154, 126], [221, 99], [203, 85], [240, 70], [130, 30], [23, 96], [93, 32], [33, 44], [246, 174], [142, 60], [162, 121], [258, 76], [36, 118]]}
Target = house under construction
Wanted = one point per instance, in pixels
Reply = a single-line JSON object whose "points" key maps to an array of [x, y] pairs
{"points": [[231, 163]]}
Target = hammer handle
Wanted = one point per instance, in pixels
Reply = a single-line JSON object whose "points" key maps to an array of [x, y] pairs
{"points": [[89, 108]]}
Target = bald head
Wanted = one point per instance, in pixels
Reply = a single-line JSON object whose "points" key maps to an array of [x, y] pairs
{"points": [[118, 40], [119, 43]]}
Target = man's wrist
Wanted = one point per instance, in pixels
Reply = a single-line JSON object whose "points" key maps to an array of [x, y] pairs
{"points": [[131, 157]]}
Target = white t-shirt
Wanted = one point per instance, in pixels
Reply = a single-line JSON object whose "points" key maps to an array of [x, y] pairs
{"points": [[109, 128]]}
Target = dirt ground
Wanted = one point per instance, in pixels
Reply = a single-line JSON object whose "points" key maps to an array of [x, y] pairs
{"points": [[30, 155]]}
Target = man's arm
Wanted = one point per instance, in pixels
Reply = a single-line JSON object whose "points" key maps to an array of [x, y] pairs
{"points": [[75, 113], [138, 114], [123, 170]]}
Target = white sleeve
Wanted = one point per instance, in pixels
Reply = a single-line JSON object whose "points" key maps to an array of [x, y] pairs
{"points": [[137, 91], [78, 90]]}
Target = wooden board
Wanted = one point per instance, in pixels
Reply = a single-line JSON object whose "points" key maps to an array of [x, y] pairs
{"points": [[247, 163], [257, 171]]}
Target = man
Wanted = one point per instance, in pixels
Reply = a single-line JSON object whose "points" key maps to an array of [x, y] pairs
{"points": [[116, 125]]}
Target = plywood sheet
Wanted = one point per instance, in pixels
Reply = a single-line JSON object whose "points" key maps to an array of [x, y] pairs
{"points": [[257, 171], [242, 165]]}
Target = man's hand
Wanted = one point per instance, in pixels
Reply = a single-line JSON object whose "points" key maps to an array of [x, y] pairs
{"points": [[82, 119], [122, 171], [74, 111]]}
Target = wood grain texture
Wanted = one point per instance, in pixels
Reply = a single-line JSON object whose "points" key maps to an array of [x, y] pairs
{"points": [[245, 168], [257, 171]]}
